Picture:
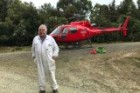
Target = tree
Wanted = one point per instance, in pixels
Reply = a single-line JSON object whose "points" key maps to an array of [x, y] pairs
{"points": [[3, 9], [138, 3], [71, 7], [54, 21], [19, 26], [138, 10], [133, 30], [19, 21], [51, 17], [99, 15], [113, 13], [127, 7]]}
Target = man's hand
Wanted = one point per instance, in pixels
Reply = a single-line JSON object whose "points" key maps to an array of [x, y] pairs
{"points": [[54, 57], [35, 60]]}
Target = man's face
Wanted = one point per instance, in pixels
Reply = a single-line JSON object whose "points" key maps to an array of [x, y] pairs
{"points": [[42, 31]]}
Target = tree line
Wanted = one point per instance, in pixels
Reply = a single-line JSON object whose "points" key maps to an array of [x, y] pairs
{"points": [[19, 21]]}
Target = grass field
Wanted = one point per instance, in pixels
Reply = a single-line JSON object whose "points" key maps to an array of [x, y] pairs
{"points": [[78, 71]]}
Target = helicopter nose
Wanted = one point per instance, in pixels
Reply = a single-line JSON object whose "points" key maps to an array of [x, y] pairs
{"points": [[54, 36]]}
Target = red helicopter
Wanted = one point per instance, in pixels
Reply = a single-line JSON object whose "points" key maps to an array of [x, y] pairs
{"points": [[78, 31]]}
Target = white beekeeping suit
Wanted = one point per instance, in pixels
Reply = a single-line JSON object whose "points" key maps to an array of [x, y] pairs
{"points": [[43, 52]]}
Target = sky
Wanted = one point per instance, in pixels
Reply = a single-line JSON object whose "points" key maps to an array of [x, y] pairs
{"points": [[38, 3]]}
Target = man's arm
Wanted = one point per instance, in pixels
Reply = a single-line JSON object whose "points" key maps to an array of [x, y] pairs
{"points": [[33, 49], [55, 49]]}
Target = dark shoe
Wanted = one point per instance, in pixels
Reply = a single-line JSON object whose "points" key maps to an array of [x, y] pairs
{"points": [[55, 91], [42, 91]]}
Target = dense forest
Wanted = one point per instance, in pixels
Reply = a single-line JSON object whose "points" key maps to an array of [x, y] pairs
{"points": [[19, 21]]}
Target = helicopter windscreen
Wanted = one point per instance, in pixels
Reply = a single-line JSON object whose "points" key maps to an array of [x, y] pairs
{"points": [[56, 31], [65, 31]]}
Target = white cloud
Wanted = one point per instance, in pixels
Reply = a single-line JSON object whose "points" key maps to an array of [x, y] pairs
{"points": [[105, 1], [108, 1], [38, 3]]}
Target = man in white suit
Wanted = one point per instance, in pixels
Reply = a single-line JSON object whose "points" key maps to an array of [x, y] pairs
{"points": [[44, 52]]}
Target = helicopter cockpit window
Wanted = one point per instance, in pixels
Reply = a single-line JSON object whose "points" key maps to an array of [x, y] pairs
{"points": [[56, 31], [73, 30], [65, 31]]}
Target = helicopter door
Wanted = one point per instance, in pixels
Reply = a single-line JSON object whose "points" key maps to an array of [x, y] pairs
{"points": [[64, 33]]}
